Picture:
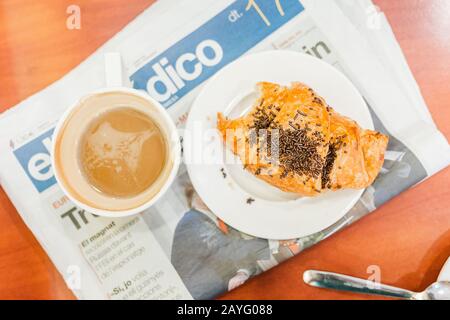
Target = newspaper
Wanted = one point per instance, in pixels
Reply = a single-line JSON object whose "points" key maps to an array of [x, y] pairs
{"points": [[178, 249]]}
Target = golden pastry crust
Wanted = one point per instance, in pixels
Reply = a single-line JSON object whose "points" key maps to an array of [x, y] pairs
{"points": [[374, 146], [355, 155], [317, 149]]}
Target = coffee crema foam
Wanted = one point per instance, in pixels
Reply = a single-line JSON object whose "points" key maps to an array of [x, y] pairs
{"points": [[122, 152]]}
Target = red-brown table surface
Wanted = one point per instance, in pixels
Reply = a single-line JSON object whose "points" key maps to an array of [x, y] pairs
{"points": [[408, 238]]}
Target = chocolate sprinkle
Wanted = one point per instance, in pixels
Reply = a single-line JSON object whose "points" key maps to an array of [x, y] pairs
{"points": [[298, 153], [329, 162], [263, 120], [223, 173]]}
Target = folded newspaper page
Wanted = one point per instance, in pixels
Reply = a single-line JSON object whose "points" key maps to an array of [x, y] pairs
{"points": [[178, 249]]}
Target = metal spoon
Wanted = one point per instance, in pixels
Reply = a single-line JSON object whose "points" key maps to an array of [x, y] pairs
{"points": [[437, 291]]}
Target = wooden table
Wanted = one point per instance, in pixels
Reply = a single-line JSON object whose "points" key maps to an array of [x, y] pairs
{"points": [[408, 238]]}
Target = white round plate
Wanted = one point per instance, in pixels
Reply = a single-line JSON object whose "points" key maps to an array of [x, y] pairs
{"points": [[444, 275], [274, 214]]}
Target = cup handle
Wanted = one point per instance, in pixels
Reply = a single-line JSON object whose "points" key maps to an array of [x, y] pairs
{"points": [[113, 69]]}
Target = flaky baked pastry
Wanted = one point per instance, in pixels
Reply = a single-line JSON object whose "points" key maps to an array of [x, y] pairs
{"points": [[293, 140]]}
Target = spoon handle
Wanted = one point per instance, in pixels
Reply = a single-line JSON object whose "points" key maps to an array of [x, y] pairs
{"points": [[342, 282]]}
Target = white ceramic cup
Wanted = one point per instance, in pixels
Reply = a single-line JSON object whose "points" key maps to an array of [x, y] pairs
{"points": [[68, 173]]}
